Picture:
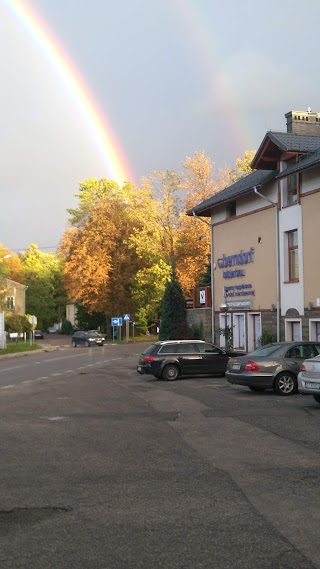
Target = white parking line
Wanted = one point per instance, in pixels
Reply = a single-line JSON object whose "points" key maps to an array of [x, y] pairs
{"points": [[55, 374], [7, 386]]}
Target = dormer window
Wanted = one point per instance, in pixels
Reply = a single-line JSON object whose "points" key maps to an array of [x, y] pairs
{"points": [[231, 209]]}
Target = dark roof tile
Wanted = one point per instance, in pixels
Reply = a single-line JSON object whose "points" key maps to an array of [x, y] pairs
{"points": [[242, 186]]}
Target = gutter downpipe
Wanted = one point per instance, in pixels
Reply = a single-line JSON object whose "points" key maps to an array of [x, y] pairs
{"points": [[277, 256], [212, 269]]}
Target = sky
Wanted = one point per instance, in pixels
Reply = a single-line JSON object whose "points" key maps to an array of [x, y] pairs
{"points": [[119, 88]]}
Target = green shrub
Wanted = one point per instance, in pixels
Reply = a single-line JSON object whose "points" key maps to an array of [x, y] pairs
{"points": [[66, 328], [266, 337]]}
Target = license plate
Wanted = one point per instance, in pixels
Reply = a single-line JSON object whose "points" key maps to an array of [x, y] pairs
{"points": [[139, 368], [235, 366], [312, 385]]}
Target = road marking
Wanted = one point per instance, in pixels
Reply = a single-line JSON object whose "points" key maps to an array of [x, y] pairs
{"points": [[7, 386], [55, 374], [28, 381], [81, 367], [43, 377], [13, 367], [69, 371], [90, 365]]}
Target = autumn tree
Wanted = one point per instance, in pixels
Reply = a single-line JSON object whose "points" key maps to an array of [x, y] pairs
{"points": [[155, 242], [99, 260]]}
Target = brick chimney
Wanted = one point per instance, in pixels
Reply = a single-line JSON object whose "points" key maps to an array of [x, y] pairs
{"points": [[303, 122]]}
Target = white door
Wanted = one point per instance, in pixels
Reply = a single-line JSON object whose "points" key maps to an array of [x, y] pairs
{"points": [[239, 340]]}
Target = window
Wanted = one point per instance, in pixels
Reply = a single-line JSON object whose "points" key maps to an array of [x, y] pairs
{"points": [[292, 189], [231, 209], [293, 330], [293, 257], [10, 302], [208, 348]]}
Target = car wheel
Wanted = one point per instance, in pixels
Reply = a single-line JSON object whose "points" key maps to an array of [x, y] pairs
{"points": [[170, 372], [317, 398], [254, 388], [87, 344], [74, 344], [285, 384]]}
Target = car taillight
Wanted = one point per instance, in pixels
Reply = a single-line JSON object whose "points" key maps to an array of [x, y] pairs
{"points": [[148, 358], [302, 367], [251, 366]]}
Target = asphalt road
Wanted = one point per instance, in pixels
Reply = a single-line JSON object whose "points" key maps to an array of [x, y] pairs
{"points": [[102, 468]]}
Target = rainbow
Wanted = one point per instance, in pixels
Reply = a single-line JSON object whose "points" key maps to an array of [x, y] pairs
{"points": [[208, 45], [107, 145]]}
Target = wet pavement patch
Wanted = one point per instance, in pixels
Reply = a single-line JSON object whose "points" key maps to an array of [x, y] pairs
{"points": [[19, 517]]}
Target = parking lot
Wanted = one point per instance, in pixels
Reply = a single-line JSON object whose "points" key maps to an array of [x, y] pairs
{"points": [[101, 463]]}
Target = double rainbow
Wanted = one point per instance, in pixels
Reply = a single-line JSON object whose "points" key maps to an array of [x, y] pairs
{"points": [[105, 140]]}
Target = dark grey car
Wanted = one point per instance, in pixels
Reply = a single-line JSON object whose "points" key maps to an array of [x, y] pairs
{"points": [[91, 338], [274, 366], [174, 358]]}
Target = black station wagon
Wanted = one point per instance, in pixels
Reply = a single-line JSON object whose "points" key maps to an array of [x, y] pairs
{"points": [[174, 358]]}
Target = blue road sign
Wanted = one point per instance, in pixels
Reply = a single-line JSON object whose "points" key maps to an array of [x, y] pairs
{"points": [[116, 321], [126, 317]]}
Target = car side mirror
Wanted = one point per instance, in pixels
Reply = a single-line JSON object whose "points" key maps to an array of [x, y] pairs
{"points": [[223, 352]]}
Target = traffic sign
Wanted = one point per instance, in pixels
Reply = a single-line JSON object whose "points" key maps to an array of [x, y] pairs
{"points": [[33, 320], [126, 317], [116, 321]]}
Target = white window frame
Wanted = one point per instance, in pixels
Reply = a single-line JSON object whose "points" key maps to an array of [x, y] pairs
{"points": [[312, 329], [13, 302], [288, 327], [222, 326], [234, 319]]}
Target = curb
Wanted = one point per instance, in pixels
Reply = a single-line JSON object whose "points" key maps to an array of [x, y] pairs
{"points": [[47, 348]]}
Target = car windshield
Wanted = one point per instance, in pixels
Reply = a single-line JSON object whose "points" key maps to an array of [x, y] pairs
{"points": [[92, 334], [264, 351]]}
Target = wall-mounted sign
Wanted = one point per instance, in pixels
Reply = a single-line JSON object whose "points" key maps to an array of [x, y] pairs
{"points": [[239, 290], [239, 304], [242, 258], [202, 296]]}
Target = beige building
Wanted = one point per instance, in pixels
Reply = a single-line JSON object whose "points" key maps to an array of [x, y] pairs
{"points": [[14, 297], [264, 240]]}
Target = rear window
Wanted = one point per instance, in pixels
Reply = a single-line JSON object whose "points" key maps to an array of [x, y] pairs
{"points": [[264, 351], [149, 350]]}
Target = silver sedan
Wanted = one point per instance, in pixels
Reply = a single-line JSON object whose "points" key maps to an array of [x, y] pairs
{"points": [[309, 378], [274, 366]]}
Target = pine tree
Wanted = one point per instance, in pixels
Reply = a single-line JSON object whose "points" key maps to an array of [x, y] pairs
{"points": [[173, 323]]}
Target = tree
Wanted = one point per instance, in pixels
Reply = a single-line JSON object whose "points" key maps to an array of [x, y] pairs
{"points": [[100, 262], [173, 323], [45, 296]]}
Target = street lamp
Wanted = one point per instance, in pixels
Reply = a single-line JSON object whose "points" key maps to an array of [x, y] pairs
{"points": [[224, 307]]}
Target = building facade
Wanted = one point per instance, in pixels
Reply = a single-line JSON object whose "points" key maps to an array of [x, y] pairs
{"points": [[14, 297], [266, 281]]}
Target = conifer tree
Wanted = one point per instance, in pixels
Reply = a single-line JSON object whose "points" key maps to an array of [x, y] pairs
{"points": [[173, 323]]}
